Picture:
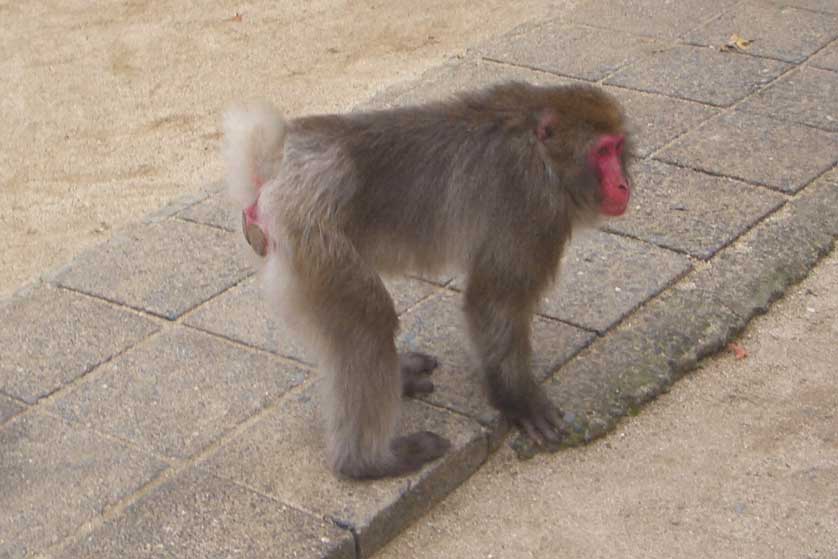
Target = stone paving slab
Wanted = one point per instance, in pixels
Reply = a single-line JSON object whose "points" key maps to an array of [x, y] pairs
{"points": [[54, 336], [656, 120], [215, 210], [437, 327], [652, 18], [197, 515], [57, 476], [9, 408], [757, 149], [242, 314], [689, 211], [178, 392], [808, 96], [700, 74], [780, 32], [269, 454], [569, 50], [164, 268], [749, 275], [827, 59], [604, 277]]}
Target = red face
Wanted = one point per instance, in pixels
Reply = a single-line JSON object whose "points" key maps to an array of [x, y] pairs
{"points": [[606, 159]]}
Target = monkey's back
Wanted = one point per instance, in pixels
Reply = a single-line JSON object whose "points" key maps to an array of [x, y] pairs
{"points": [[409, 176]]}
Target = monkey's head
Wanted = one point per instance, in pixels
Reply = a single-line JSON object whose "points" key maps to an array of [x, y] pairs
{"points": [[583, 139]]}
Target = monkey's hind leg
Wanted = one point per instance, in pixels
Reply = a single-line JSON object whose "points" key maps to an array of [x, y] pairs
{"points": [[415, 368], [355, 323]]}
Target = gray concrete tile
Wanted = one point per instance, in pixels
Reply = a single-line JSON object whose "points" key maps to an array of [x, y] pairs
{"points": [[437, 327], [691, 211], [827, 59], [282, 455], [9, 408], [700, 74], [757, 149], [604, 277], [652, 18], [808, 96], [164, 268], [242, 314], [442, 82], [198, 516], [57, 476], [780, 32], [54, 336], [569, 50], [178, 392], [216, 210], [655, 120]]}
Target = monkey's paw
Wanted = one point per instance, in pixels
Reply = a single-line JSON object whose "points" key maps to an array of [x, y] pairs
{"points": [[412, 451], [542, 424], [415, 368]]}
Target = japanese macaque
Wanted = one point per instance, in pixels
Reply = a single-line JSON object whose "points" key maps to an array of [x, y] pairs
{"points": [[489, 183]]}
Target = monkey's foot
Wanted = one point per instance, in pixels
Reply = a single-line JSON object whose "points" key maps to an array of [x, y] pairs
{"points": [[415, 368], [412, 451]]}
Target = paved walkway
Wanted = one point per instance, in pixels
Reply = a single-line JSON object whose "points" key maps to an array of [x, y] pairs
{"points": [[149, 408]]}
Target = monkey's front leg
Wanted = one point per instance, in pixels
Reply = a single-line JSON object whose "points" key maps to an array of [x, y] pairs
{"points": [[499, 325]]}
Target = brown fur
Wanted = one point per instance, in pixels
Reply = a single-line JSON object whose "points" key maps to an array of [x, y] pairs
{"points": [[465, 184]]}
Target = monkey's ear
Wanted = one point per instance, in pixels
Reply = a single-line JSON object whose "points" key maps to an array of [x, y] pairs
{"points": [[548, 121]]}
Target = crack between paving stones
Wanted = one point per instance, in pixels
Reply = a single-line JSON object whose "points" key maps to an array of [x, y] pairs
{"points": [[712, 173], [125, 305], [142, 313], [185, 314], [89, 372], [193, 221], [244, 345], [534, 69]]}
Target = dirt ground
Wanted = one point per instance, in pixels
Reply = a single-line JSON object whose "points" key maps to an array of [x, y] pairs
{"points": [[739, 460], [111, 109]]}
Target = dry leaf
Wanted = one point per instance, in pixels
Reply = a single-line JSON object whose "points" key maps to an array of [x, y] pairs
{"points": [[736, 43], [738, 351]]}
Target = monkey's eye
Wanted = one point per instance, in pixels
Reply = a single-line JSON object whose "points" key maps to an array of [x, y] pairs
{"points": [[604, 150]]}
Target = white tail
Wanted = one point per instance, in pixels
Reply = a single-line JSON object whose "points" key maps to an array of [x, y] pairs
{"points": [[254, 136]]}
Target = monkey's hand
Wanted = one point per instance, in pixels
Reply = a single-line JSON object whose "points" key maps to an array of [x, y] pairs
{"points": [[541, 420]]}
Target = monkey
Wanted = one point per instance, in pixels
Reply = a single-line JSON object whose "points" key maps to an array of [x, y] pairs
{"points": [[489, 183]]}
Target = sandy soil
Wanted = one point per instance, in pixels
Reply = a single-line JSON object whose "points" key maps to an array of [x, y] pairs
{"points": [[739, 460], [111, 109]]}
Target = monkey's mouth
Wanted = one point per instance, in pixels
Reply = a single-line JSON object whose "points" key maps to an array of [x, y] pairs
{"points": [[613, 208]]}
